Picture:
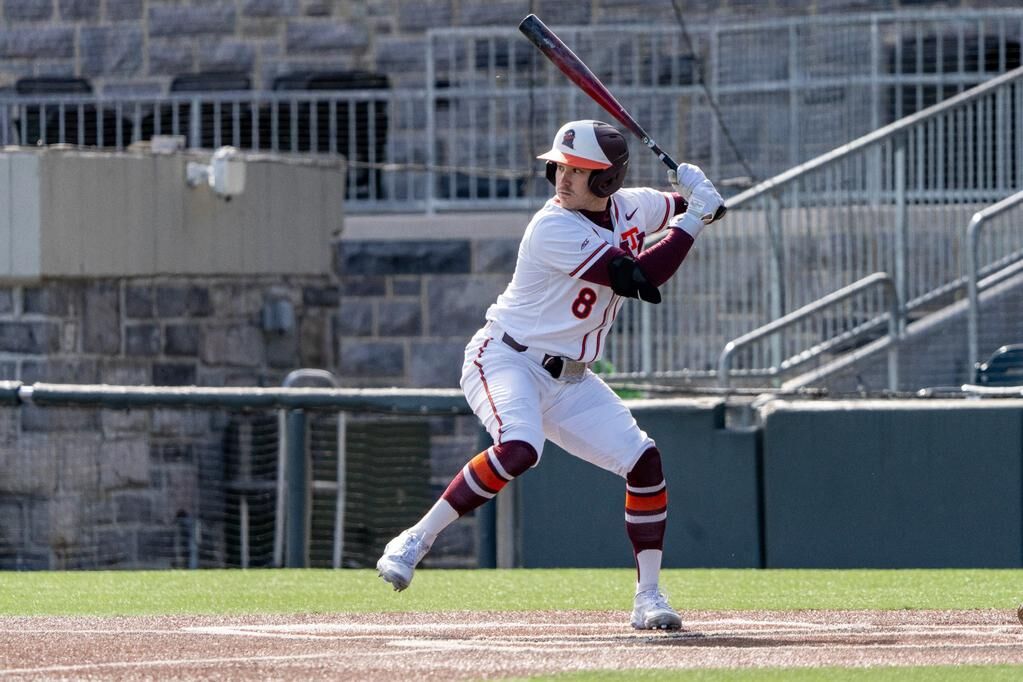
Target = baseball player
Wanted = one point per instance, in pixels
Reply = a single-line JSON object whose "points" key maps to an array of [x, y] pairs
{"points": [[526, 372]]}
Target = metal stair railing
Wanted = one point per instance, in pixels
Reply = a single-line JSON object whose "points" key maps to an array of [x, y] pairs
{"points": [[892, 201], [878, 280], [981, 220]]}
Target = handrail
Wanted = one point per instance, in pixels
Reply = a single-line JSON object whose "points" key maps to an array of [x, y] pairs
{"points": [[979, 220], [886, 132], [876, 279]]}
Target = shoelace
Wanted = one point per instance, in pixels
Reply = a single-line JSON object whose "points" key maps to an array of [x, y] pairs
{"points": [[409, 549], [656, 599]]}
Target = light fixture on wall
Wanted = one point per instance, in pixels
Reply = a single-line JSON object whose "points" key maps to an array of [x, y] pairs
{"points": [[225, 174]]}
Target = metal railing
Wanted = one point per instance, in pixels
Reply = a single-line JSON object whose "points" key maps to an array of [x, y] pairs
{"points": [[878, 280], [1002, 256], [294, 516], [465, 134], [892, 201]]}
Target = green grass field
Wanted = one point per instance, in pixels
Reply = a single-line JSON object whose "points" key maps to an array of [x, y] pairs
{"points": [[236, 592]]}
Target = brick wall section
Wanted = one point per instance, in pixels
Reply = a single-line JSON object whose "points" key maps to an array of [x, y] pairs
{"points": [[140, 45], [408, 308]]}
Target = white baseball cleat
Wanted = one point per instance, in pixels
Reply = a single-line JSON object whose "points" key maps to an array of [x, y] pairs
{"points": [[401, 555], [650, 611]]}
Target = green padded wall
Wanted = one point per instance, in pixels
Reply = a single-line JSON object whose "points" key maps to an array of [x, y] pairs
{"points": [[893, 484], [572, 514]]}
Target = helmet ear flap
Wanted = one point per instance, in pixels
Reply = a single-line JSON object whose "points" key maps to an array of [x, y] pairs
{"points": [[552, 170]]}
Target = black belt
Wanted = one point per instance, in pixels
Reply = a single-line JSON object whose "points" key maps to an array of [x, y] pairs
{"points": [[554, 364]]}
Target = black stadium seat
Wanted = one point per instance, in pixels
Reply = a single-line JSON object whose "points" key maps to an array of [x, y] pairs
{"points": [[77, 124], [227, 123], [361, 127], [1003, 368]]}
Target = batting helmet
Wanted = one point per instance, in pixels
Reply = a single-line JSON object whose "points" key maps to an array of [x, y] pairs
{"points": [[594, 145]]}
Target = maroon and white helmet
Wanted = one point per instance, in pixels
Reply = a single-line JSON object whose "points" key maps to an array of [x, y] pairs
{"points": [[594, 145]]}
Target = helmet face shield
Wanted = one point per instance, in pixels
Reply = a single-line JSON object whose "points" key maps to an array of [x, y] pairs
{"points": [[593, 145]]}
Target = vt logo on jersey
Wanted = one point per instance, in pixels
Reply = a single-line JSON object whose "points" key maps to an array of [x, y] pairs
{"points": [[632, 240]]}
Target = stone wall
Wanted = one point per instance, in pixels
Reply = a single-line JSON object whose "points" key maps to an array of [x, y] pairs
{"points": [[408, 307], [140, 45]]}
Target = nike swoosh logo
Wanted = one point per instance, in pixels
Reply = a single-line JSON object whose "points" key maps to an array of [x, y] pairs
{"points": [[628, 216]]}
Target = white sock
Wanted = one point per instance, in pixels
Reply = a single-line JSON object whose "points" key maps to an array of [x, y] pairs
{"points": [[440, 516], [649, 563]]}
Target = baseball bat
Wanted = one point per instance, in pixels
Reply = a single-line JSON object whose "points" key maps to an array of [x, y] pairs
{"points": [[569, 63]]}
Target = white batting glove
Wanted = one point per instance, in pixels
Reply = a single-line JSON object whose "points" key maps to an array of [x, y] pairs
{"points": [[703, 205], [686, 179]]}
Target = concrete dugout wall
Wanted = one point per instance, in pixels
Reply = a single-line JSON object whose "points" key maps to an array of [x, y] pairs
{"points": [[893, 484], [571, 513], [820, 484]]}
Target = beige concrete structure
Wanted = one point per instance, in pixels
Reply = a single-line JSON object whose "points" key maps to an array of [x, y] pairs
{"points": [[76, 213]]}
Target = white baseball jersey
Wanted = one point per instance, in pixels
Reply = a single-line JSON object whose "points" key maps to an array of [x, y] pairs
{"points": [[546, 305]]}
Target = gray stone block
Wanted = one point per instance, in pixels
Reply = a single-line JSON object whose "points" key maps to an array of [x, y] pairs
{"points": [[170, 57], [316, 341], [282, 350], [57, 370], [226, 55], [496, 255], [419, 15], [27, 10], [39, 43], [181, 339], [435, 364], [232, 345], [501, 13], [270, 8], [124, 464], [399, 318], [448, 256], [124, 10], [78, 9], [123, 371], [53, 298], [133, 507], [556, 12], [321, 296], [372, 359], [138, 301], [101, 324], [317, 8], [355, 318], [179, 301], [458, 304], [186, 20], [173, 374], [235, 300], [321, 36], [142, 340], [36, 338], [8, 371], [115, 547], [406, 286], [401, 58]]}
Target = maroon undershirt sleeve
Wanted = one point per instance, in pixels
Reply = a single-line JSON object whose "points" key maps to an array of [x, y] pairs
{"points": [[658, 263]]}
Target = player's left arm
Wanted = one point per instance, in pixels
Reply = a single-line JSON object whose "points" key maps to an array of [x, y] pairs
{"points": [[639, 277]]}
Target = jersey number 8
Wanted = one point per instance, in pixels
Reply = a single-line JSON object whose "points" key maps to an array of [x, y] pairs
{"points": [[582, 306]]}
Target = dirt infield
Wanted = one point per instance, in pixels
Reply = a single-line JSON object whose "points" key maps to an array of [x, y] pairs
{"points": [[491, 645]]}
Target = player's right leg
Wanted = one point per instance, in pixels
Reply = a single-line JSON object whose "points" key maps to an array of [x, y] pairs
{"points": [[500, 386]]}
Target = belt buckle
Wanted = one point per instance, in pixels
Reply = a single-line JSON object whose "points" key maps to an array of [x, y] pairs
{"points": [[573, 372]]}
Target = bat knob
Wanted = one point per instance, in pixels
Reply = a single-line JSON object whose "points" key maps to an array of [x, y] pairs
{"points": [[720, 213]]}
